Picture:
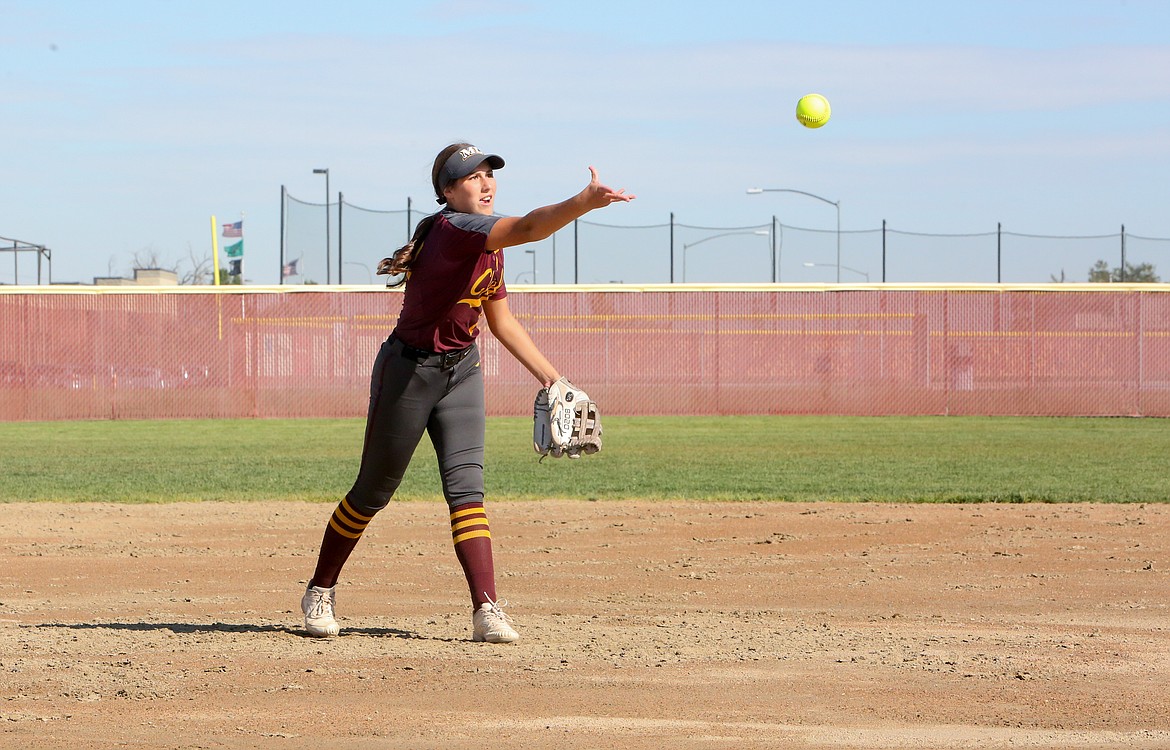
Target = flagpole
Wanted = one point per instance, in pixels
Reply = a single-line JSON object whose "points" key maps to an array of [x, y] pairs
{"points": [[241, 252], [235, 251]]}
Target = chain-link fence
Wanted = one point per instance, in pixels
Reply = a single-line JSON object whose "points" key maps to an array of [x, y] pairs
{"points": [[802, 349]]}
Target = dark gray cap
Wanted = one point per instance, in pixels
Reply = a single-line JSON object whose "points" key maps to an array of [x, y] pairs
{"points": [[463, 162]]}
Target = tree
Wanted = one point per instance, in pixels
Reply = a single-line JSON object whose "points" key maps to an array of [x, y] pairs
{"points": [[148, 257], [200, 271], [192, 270], [1141, 273]]}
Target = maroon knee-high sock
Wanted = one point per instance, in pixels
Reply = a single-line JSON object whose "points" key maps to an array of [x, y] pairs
{"points": [[473, 547], [341, 536]]}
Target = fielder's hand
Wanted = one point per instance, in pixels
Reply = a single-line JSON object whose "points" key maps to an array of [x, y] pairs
{"points": [[565, 422]]}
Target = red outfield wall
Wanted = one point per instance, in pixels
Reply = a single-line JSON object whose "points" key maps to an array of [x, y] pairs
{"points": [[1060, 349]]}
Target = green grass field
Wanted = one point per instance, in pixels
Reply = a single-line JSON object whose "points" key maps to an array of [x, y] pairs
{"points": [[916, 459]]}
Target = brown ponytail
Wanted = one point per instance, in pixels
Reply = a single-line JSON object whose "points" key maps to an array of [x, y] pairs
{"points": [[402, 259]]}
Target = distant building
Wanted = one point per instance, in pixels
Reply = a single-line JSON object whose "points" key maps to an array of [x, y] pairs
{"points": [[142, 277]]}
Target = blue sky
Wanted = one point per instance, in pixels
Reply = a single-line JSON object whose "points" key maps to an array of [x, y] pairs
{"points": [[128, 124]]}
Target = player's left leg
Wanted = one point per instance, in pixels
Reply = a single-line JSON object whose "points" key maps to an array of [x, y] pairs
{"points": [[457, 427]]}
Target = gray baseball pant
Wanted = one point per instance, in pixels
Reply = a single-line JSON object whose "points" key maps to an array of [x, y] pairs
{"points": [[412, 392]]}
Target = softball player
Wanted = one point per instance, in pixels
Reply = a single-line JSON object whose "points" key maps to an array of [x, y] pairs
{"points": [[427, 378]]}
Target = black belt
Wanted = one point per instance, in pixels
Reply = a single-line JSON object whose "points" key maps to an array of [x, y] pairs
{"points": [[445, 360]]}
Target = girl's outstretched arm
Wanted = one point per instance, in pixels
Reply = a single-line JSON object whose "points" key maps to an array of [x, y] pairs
{"points": [[542, 222]]}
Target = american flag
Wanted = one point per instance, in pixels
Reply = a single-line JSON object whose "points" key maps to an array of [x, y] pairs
{"points": [[289, 269], [234, 230]]}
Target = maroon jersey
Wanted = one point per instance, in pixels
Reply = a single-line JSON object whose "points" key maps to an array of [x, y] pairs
{"points": [[451, 276]]}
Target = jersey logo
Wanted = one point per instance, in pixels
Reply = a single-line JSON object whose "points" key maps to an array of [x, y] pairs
{"points": [[483, 288]]}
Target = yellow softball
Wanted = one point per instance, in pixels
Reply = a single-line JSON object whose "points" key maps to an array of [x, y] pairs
{"points": [[812, 111]]}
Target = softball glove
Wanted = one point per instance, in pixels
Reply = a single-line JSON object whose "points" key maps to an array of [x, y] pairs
{"points": [[565, 422]]}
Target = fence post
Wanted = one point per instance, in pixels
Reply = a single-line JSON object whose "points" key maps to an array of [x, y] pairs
{"points": [[280, 271], [575, 254], [672, 247], [883, 251], [1123, 252], [999, 252], [408, 232], [775, 256], [340, 224]]}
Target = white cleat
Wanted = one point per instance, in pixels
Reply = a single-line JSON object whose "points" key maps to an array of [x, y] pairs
{"points": [[491, 625], [317, 604]]}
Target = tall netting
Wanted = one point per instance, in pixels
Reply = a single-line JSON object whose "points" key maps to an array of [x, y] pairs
{"points": [[593, 246], [357, 239], [777, 252], [306, 351], [313, 260], [1151, 251], [1069, 258], [369, 237]]}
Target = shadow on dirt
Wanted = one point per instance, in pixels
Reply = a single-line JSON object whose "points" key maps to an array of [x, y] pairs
{"points": [[187, 628]]}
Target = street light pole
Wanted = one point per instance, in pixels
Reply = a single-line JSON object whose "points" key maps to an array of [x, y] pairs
{"points": [[834, 204], [328, 262], [759, 232], [830, 265], [369, 276]]}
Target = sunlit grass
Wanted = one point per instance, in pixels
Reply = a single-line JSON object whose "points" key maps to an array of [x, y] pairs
{"points": [[917, 459]]}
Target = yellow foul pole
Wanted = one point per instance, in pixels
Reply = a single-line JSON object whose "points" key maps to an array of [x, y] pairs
{"points": [[215, 271], [215, 250]]}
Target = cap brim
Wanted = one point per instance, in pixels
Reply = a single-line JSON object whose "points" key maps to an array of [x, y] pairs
{"points": [[469, 166]]}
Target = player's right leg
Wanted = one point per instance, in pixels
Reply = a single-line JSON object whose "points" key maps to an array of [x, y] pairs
{"points": [[401, 395]]}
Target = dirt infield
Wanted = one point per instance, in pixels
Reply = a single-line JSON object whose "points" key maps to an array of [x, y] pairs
{"points": [[643, 625]]}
